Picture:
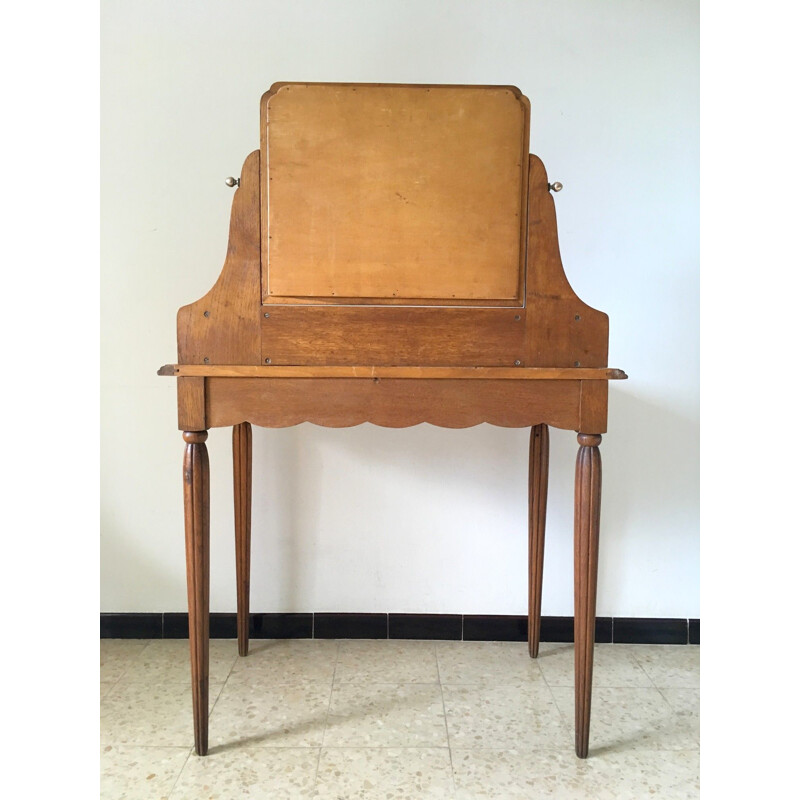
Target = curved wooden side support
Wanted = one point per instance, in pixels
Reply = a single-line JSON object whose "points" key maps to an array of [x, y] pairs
{"points": [[224, 326], [563, 330], [537, 510], [242, 504], [196, 516], [587, 529]]}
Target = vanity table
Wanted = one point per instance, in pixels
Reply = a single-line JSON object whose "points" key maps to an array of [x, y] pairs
{"points": [[393, 258]]}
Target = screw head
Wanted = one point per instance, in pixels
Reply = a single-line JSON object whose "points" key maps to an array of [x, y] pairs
{"points": [[206, 314], [205, 360], [517, 363], [266, 316], [517, 317], [267, 360], [577, 363], [577, 316]]}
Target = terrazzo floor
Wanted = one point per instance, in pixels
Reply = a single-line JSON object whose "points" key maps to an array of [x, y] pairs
{"points": [[391, 719]]}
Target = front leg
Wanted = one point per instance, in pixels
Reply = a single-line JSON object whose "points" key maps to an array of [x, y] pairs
{"points": [[587, 528], [196, 510]]}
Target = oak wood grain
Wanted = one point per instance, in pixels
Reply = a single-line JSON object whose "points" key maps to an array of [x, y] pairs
{"points": [[191, 403], [562, 330], [386, 191], [340, 402], [400, 373], [223, 327], [391, 336]]}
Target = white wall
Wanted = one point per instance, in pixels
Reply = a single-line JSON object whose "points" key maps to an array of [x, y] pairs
{"points": [[423, 519]]}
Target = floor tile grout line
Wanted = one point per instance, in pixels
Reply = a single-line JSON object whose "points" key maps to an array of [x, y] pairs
{"points": [[444, 713], [327, 714], [180, 771]]}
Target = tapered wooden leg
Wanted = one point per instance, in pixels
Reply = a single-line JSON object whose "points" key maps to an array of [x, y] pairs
{"points": [[196, 508], [537, 508], [242, 503], [587, 528]]}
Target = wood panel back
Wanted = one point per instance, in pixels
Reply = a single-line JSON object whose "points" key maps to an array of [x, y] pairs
{"points": [[390, 336], [393, 403], [392, 191]]}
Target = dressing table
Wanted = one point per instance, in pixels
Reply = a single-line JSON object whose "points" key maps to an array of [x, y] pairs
{"points": [[393, 259]]}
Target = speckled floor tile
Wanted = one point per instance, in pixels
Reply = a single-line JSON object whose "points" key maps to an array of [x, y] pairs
{"points": [[149, 714], [384, 661], [631, 719], [116, 655], [169, 661], [614, 665], [518, 774], [139, 773], [408, 773], [377, 715], [253, 712], [253, 773], [486, 662], [290, 660], [674, 666], [686, 704], [106, 687], [502, 717]]}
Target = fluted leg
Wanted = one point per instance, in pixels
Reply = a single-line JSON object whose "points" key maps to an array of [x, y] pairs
{"points": [[242, 502], [587, 527], [196, 509], [537, 508]]}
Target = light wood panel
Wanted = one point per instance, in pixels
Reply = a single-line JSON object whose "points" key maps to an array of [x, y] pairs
{"points": [[342, 402], [462, 373], [321, 335], [223, 326], [390, 191], [562, 330], [191, 403]]}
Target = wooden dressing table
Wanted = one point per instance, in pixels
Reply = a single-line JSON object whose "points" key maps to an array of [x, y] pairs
{"points": [[393, 258]]}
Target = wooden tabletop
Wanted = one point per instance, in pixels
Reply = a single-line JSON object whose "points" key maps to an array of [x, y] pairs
{"points": [[440, 373]]}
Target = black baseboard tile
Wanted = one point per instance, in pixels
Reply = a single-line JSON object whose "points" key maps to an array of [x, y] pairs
{"points": [[647, 630], [262, 626], [603, 629], [495, 628], [469, 627], [351, 626], [176, 625], [131, 626], [220, 625], [281, 626], [562, 629], [425, 626]]}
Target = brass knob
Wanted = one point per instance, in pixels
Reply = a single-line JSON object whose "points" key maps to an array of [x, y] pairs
{"points": [[234, 182], [554, 187]]}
